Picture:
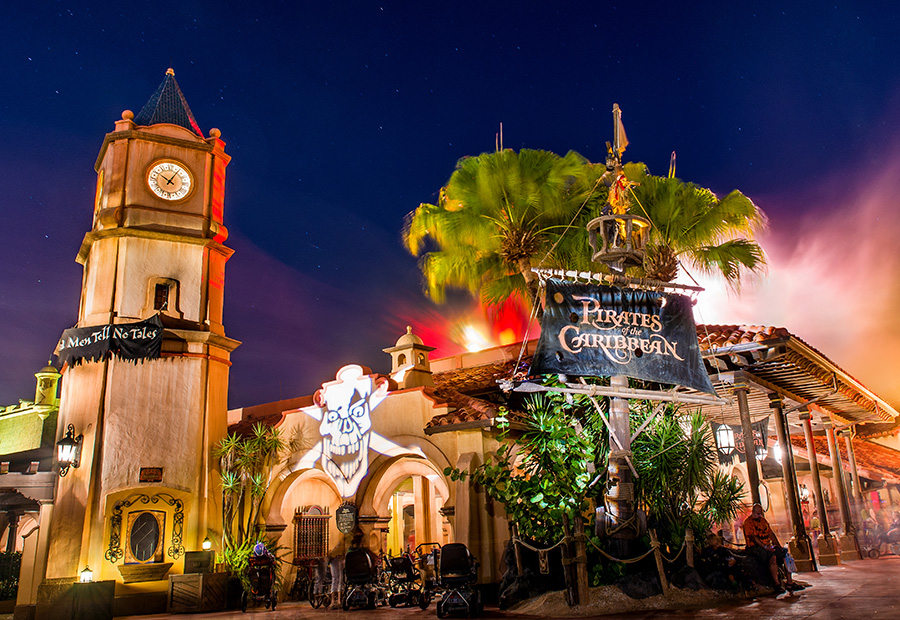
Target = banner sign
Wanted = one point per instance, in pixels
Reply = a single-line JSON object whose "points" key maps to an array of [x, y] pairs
{"points": [[127, 341], [595, 330], [736, 437]]}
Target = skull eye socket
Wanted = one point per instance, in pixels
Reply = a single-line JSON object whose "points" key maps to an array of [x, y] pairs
{"points": [[358, 410], [332, 415]]}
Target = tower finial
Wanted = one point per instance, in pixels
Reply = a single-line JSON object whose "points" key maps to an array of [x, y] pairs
{"points": [[170, 71]]}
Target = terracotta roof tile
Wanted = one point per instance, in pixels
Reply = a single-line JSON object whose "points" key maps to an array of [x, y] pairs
{"points": [[871, 456], [721, 336]]}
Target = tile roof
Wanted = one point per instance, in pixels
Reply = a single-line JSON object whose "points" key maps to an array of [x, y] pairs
{"points": [[268, 414], [779, 358], [721, 336], [168, 105], [869, 456], [456, 387]]}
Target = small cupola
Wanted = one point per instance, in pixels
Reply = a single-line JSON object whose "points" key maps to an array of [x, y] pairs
{"points": [[409, 361], [46, 397]]}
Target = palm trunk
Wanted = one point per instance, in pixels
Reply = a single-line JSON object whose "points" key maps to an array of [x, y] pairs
{"points": [[532, 284]]}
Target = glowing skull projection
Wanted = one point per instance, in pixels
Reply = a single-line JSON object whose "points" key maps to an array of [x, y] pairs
{"points": [[343, 409], [346, 422]]}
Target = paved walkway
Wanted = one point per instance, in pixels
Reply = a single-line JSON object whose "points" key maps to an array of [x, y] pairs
{"points": [[865, 590]]}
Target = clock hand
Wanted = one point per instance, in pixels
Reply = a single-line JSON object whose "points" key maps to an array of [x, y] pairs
{"points": [[169, 180]]}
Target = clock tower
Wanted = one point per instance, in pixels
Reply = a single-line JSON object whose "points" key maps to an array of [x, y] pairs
{"points": [[144, 488]]}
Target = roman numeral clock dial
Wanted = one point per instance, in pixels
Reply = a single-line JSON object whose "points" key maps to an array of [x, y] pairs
{"points": [[169, 180]]}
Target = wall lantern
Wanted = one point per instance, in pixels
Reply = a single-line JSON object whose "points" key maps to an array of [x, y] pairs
{"points": [[86, 576], [206, 544], [725, 439], [761, 453], [68, 450]]}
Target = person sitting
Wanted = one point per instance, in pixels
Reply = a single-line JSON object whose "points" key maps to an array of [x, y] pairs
{"points": [[893, 530], [719, 567], [762, 543]]}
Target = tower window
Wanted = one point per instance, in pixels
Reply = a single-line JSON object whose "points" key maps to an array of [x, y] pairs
{"points": [[161, 297]]}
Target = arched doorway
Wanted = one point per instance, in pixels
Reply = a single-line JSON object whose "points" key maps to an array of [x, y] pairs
{"points": [[409, 497]]}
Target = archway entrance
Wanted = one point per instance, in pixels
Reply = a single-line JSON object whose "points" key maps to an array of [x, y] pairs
{"points": [[414, 509], [411, 495]]}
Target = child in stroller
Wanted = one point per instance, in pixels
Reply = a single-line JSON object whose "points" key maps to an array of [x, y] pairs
{"points": [[261, 576], [457, 572], [361, 578]]}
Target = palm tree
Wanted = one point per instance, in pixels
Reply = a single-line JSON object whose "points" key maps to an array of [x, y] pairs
{"points": [[498, 216], [691, 224]]}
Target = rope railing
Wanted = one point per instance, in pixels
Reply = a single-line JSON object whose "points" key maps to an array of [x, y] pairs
{"points": [[566, 539], [574, 557]]}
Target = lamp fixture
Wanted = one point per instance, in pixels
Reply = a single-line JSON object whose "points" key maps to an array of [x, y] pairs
{"points": [[68, 450], [761, 453], [86, 576], [206, 544], [725, 439]]}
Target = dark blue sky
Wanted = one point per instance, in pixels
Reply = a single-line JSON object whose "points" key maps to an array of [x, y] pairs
{"points": [[341, 117]]}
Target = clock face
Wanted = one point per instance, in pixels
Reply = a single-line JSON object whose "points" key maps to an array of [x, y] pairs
{"points": [[169, 180]]}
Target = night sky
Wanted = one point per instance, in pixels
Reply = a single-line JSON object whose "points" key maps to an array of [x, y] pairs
{"points": [[341, 117]]}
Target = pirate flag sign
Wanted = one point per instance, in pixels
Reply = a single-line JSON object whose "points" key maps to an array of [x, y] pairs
{"points": [[598, 330]]}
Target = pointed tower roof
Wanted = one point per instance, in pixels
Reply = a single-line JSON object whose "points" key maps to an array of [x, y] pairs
{"points": [[168, 105]]}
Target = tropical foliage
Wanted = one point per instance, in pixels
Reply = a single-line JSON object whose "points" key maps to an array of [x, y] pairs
{"points": [[544, 472], [10, 561], [498, 216], [246, 466], [680, 484], [551, 468], [503, 213], [691, 224]]}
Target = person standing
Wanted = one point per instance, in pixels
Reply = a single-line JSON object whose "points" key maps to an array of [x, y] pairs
{"points": [[336, 561]]}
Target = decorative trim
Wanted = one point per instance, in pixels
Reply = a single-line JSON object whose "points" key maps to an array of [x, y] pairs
{"points": [[115, 553]]}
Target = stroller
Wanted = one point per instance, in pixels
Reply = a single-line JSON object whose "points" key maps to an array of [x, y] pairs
{"points": [[427, 561], [261, 575], [457, 572], [402, 581], [360, 578]]}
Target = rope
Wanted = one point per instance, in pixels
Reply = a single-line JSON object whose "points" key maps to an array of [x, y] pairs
{"points": [[569, 225], [536, 299], [519, 541], [672, 561], [534, 308], [629, 561], [565, 539]]}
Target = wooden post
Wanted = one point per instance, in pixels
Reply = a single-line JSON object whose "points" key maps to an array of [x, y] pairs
{"points": [[568, 572], [581, 571], [689, 546], [828, 555], [740, 391], [663, 582], [514, 531]]}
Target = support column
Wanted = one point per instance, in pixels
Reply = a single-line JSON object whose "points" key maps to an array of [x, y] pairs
{"points": [[828, 555], [799, 545], [856, 495], [740, 390], [422, 509], [849, 544], [13, 520]]}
